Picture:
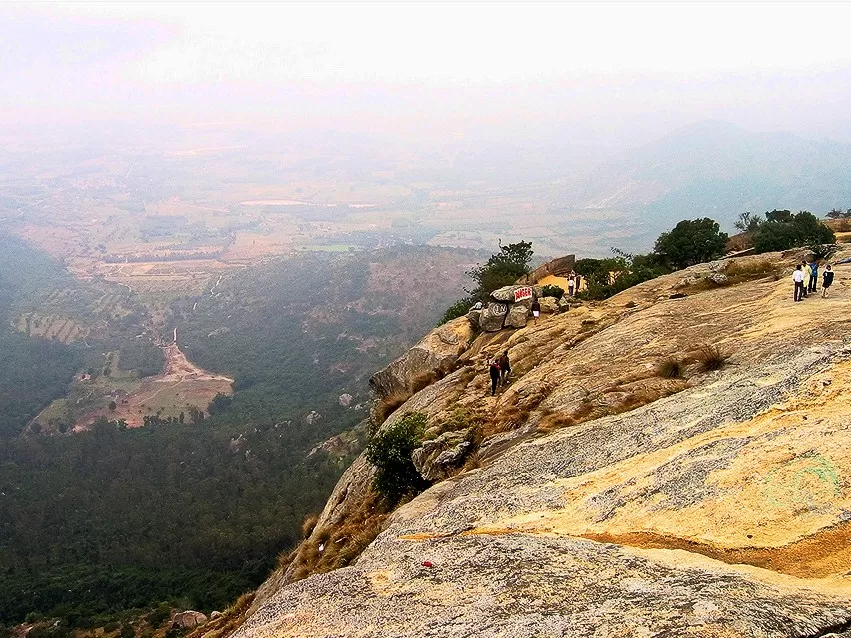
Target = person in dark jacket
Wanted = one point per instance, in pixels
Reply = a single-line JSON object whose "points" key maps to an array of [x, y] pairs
{"points": [[536, 310], [828, 279], [494, 370], [504, 367]]}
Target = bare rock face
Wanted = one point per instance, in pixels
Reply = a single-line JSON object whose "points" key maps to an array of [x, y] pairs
{"points": [[188, 620], [613, 500]]}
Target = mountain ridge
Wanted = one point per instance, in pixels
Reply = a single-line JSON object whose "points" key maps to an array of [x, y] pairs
{"points": [[713, 168], [609, 498]]}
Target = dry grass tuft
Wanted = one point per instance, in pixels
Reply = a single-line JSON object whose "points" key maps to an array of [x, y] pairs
{"points": [[670, 368], [425, 379], [388, 405], [552, 421], [473, 462], [338, 545], [393, 401], [508, 418], [710, 357], [308, 524], [741, 271]]}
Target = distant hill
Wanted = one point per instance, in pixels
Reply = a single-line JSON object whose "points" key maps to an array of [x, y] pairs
{"points": [[719, 170]]}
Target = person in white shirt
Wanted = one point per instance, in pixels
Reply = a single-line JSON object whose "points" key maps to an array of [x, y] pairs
{"points": [[798, 278]]}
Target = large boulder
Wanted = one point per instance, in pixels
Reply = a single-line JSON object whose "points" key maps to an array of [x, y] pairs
{"points": [[436, 458], [474, 317], [188, 619], [437, 351], [549, 304], [507, 294], [493, 317], [517, 316]]}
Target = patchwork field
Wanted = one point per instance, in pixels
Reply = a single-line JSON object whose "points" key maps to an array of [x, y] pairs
{"points": [[117, 394]]}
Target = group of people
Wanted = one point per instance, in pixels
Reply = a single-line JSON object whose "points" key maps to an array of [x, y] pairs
{"points": [[802, 288], [500, 368], [574, 281]]}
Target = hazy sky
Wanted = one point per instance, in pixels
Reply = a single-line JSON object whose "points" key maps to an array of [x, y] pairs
{"points": [[619, 71]]}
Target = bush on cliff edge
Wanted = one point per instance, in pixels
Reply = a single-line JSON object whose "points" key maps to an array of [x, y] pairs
{"points": [[390, 451]]}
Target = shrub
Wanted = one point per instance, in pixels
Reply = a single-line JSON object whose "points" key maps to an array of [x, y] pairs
{"points": [[670, 368], [823, 251], [711, 358], [390, 452], [552, 291], [458, 309], [783, 230]]}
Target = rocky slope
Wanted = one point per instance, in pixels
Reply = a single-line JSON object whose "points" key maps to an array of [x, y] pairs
{"points": [[620, 487]]}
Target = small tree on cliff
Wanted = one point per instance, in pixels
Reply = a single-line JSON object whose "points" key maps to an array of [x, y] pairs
{"points": [[502, 269], [690, 242], [390, 452]]}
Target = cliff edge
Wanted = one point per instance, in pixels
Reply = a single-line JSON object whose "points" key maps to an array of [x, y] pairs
{"points": [[673, 461]]}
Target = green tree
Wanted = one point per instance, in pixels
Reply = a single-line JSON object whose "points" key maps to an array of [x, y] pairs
{"points": [[607, 277], [781, 216], [748, 222], [782, 232], [502, 269], [692, 241]]}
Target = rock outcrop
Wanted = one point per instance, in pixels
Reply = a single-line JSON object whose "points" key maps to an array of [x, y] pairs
{"points": [[188, 620], [438, 351], [508, 307], [624, 486]]}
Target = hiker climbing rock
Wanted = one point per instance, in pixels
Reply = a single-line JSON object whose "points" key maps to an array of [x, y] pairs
{"points": [[798, 278], [494, 371], [828, 279], [504, 367], [536, 309]]}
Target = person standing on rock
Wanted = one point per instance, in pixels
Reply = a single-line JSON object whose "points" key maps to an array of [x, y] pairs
{"points": [[571, 283], [828, 279], [805, 269], [536, 309], [494, 371], [813, 275], [798, 278], [504, 367]]}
